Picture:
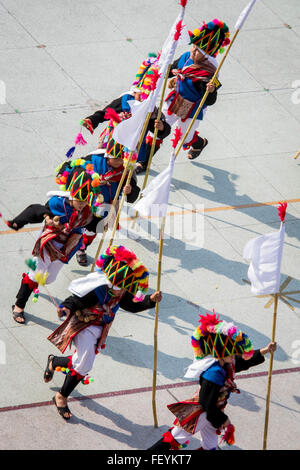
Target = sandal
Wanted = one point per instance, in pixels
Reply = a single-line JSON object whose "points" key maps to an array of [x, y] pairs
{"points": [[140, 167], [48, 374], [194, 153], [62, 410], [17, 315], [82, 259], [11, 225]]}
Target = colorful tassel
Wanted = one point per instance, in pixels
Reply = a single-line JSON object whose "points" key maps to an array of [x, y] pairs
{"points": [[79, 140], [35, 295], [112, 114], [87, 380], [228, 436], [31, 264], [41, 278], [70, 152]]}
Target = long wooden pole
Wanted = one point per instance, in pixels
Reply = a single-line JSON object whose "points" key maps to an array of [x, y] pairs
{"points": [[112, 208], [270, 375], [154, 135], [145, 126], [161, 241], [297, 155], [201, 104]]}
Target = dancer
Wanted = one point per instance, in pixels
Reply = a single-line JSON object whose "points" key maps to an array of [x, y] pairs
{"points": [[220, 350], [139, 91], [106, 167], [120, 280], [193, 72], [65, 215]]}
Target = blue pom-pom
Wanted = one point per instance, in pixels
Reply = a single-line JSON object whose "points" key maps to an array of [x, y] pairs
{"points": [[70, 152]]}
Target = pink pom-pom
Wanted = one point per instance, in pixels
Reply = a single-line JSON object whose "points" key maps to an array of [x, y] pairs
{"points": [[177, 137], [80, 140], [282, 210]]}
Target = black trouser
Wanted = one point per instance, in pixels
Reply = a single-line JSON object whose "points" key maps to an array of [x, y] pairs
{"points": [[33, 214], [23, 295], [71, 381]]}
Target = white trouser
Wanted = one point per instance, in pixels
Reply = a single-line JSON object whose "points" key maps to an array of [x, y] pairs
{"points": [[46, 266], [207, 432], [85, 343]]}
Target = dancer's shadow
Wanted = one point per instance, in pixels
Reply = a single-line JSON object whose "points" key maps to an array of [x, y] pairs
{"points": [[134, 435], [225, 191]]}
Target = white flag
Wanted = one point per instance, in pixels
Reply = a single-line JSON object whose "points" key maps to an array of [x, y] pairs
{"points": [[243, 16], [265, 253], [155, 196], [128, 131]]}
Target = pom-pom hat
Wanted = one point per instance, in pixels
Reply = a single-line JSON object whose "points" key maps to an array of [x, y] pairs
{"points": [[124, 270], [211, 38], [145, 76], [219, 339], [79, 178]]}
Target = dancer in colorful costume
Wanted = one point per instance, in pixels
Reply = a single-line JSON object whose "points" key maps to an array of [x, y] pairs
{"points": [[65, 215], [193, 72], [106, 167], [220, 350], [120, 280], [140, 90]]}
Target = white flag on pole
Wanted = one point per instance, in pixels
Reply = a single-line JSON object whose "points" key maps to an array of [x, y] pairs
{"points": [[243, 16], [155, 197], [265, 254]]}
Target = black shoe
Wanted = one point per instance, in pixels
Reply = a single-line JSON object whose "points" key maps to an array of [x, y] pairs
{"points": [[140, 167], [195, 151], [81, 257]]}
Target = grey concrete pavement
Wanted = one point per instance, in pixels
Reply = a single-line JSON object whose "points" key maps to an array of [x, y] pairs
{"points": [[59, 61]]}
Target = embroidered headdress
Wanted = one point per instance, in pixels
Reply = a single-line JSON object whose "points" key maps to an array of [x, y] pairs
{"points": [[124, 270], [219, 339], [211, 37], [146, 77], [79, 178]]}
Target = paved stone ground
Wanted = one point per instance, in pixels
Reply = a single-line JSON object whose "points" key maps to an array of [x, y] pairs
{"points": [[60, 61]]}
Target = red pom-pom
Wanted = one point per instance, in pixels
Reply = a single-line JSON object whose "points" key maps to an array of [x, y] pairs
{"points": [[183, 3], [122, 254], [112, 114], [154, 77], [282, 210], [207, 322], [229, 435]]}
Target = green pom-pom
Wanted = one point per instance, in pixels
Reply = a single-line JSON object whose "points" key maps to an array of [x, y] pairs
{"points": [[31, 264], [34, 300], [152, 54]]}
